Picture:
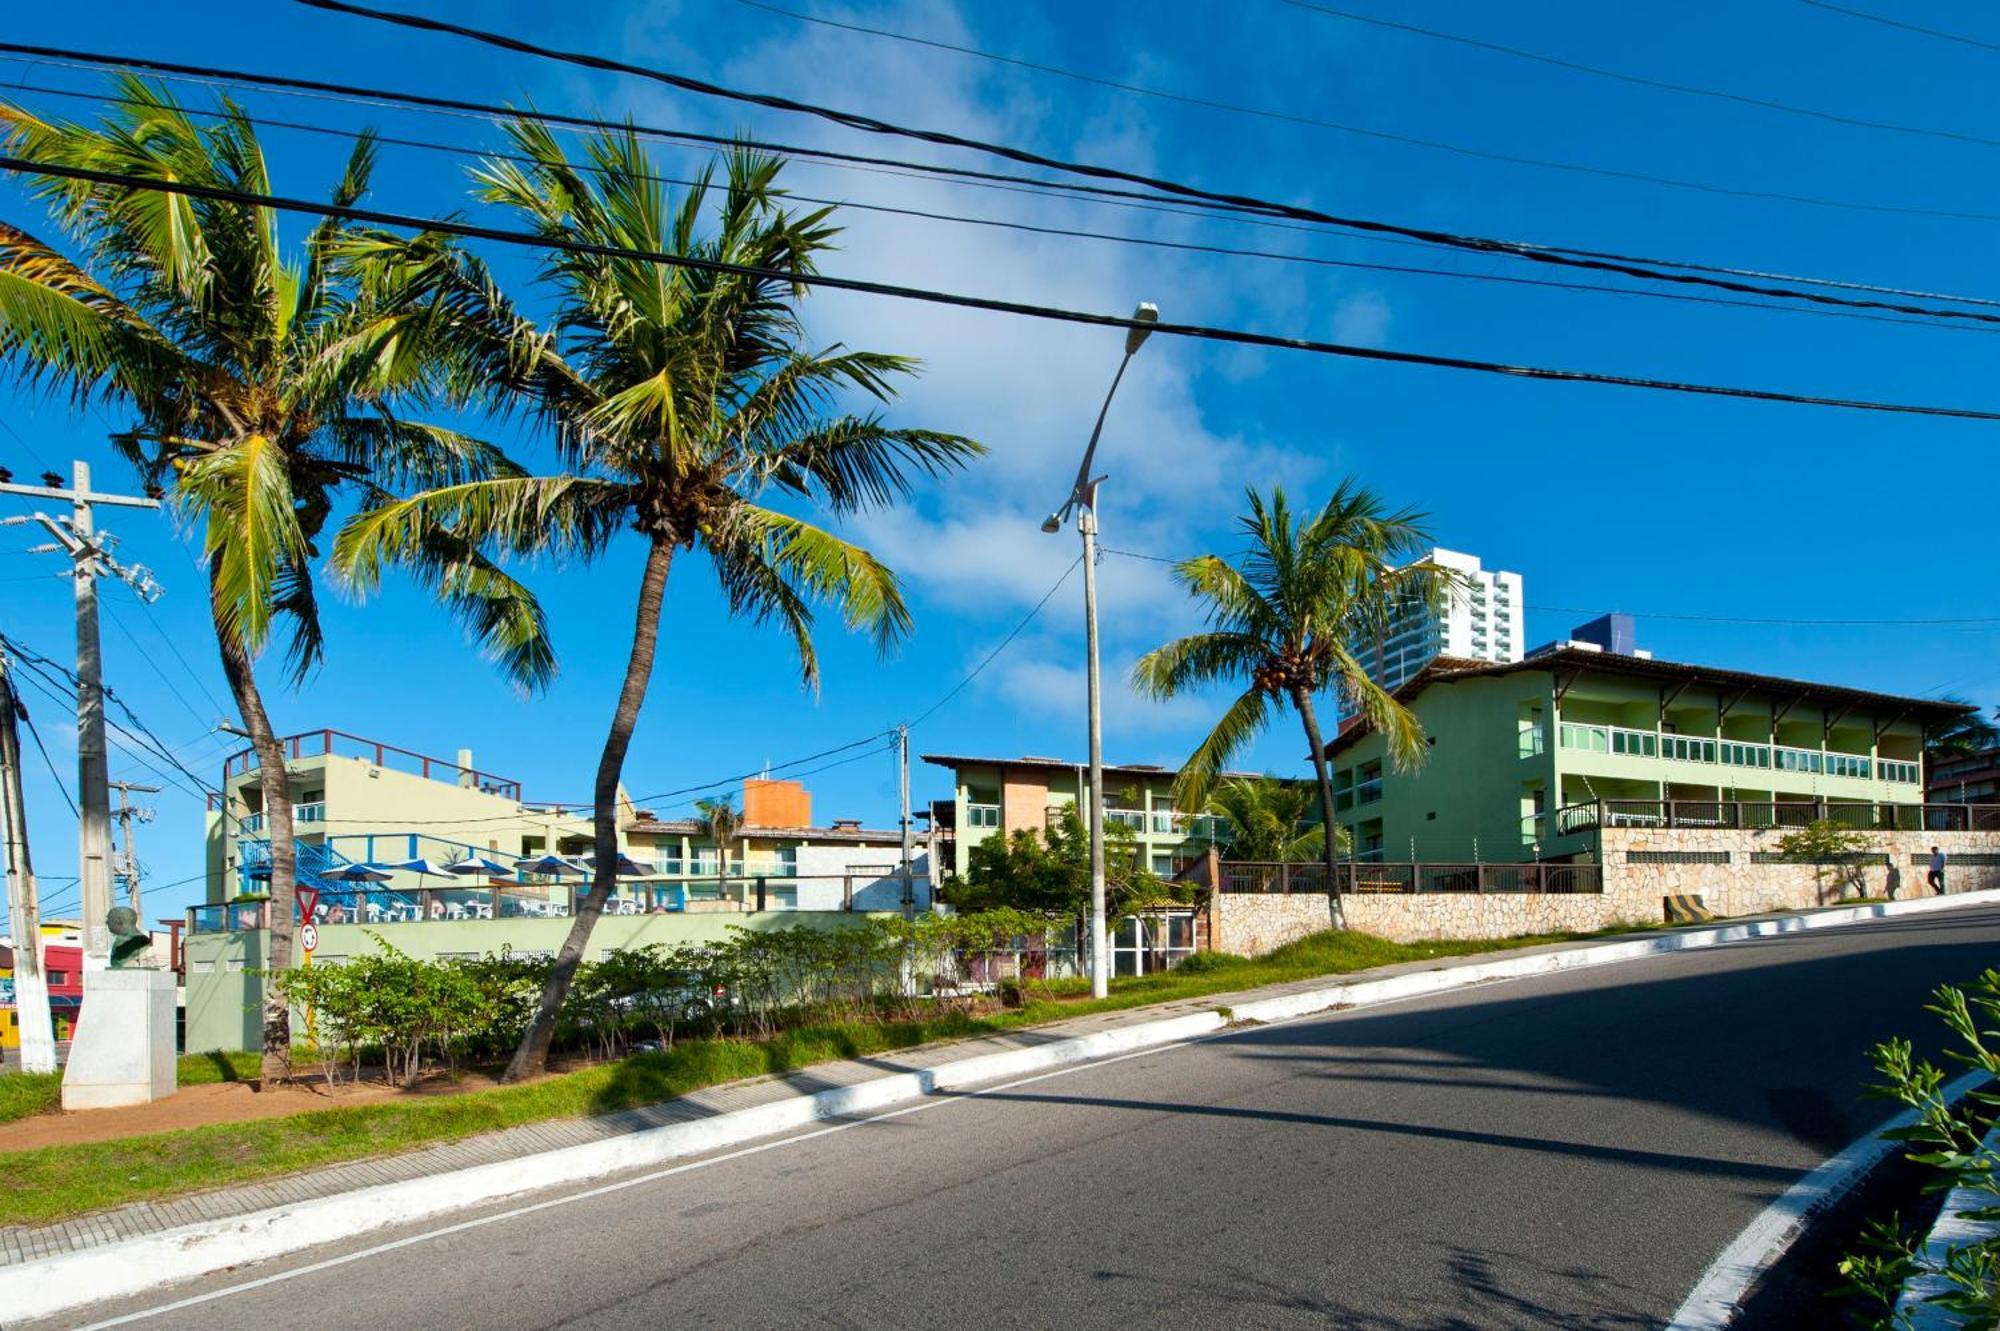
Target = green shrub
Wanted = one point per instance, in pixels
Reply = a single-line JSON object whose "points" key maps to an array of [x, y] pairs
{"points": [[1950, 1137]]}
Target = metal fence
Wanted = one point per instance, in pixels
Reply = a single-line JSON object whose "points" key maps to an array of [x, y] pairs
{"points": [[375, 905], [1732, 814], [1410, 877]]}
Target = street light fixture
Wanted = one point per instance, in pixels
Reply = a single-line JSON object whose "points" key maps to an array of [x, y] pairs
{"points": [[1082, 501]]}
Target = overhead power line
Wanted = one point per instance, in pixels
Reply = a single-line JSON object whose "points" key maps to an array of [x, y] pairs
{"points": [[1918, 28], [1203, 332], [1645, 81], [1564, 256], [498, 113], [999, 647], [1963, 621], [1074, 233], [1960, 621], [1151, 200], [1391, 136]]}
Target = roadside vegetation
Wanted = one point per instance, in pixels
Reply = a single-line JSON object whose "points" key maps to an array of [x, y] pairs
{"points": [[57, 1182], [1952, 1140]]}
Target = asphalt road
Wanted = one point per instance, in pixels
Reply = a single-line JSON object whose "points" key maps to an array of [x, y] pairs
{"points": [[1567, 1151]]}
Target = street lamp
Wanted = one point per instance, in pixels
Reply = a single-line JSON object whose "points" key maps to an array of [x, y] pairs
{"points": [[1083, 502]]}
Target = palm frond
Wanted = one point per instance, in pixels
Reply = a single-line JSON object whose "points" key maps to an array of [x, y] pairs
{"points": [[1194, 661], [1242, 722]]}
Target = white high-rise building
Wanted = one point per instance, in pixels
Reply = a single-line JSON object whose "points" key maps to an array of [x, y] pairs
{"points": [[1483, 623]]}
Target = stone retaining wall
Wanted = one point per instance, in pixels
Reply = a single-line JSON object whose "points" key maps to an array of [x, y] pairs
{"points": [[1251, 924]]}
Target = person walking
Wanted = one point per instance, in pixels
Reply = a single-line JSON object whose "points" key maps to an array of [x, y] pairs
{"points": [[1936, 876]]}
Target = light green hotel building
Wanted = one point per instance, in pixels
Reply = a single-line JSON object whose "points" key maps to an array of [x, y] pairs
{"points": [[1527, 758]]}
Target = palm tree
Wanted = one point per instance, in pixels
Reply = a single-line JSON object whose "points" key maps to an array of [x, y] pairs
{"points": [[1969, 732], [257, 385], [1271, 820], [1283, 624], [678, 397], [722, 820]]}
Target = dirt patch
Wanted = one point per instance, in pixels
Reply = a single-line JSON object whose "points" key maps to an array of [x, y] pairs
{"points": [[223, 1102]]}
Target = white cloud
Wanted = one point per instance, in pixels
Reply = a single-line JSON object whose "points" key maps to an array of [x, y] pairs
{"points": [[1047, 682], [1362, 319]]}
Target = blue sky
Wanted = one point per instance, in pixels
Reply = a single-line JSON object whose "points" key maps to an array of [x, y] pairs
{"points": [[1602, 498]]}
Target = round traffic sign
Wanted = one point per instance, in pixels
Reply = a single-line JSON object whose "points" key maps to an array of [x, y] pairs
{"points": [[309, 937]]}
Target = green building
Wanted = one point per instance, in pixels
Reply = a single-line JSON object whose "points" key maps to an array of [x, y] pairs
{"points": [[1527, 758], [999, 796]]}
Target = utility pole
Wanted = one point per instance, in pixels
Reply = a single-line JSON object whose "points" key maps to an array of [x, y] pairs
{"points": [[90, 554], [909, 883], [128, 851], [24, 912]]}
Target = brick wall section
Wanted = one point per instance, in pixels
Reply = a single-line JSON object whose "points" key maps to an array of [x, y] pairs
{"points": [[1024, 802], [1252, 924]]}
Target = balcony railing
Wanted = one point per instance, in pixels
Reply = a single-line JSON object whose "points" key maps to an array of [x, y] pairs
{"points": [[252, 824], [1367, 792], [1624, 741], [1867, 817], [338, 743], [1411, 878]]}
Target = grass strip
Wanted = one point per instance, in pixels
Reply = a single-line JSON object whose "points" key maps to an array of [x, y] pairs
{"points": [[25, 1094], [58, 1182]]}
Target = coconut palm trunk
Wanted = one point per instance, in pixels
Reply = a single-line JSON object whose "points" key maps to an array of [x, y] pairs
{"points": [[276, 785], [1330, 840], [532, 1055]]}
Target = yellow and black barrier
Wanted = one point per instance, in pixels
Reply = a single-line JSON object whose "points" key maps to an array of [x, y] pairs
{"points": [[1686, 908]]}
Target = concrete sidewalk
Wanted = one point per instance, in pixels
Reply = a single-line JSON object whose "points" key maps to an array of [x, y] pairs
{"points": [[25, 1244]]}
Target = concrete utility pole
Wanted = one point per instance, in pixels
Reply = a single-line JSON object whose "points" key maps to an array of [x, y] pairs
{"points": [[1083, 502], [128, 850], [24, 912], [903, 764], [89, 555]]}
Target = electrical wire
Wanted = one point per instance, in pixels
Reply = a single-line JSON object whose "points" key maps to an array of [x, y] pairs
{"points": [[794, 277], [1559, 255], [1888, 22], [1644, 81], [47, 761], [1410, 140], [1784, 621], [990, 657], [1263, 215], [1672, 614], [1069, 232]]}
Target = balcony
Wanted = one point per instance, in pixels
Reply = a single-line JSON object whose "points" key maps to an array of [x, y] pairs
{"points": [[1626, 742], [340, 744], [1367, 792], [253, 824]]}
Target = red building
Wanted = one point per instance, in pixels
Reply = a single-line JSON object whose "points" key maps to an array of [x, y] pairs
{"points": [[62, 966]]}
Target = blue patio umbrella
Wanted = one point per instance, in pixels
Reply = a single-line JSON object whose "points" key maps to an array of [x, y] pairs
{"points": [[358, 873], [627, 866], [550, 864], [479, 865], [421, 866]]}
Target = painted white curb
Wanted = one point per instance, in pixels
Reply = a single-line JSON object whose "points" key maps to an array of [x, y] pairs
{"points": [[1717, 1296], [1954, 1229], [31, 1290]]}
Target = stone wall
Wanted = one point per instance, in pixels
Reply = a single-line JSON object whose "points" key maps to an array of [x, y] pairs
{"points": [[1251, 924], [1744, 887]]}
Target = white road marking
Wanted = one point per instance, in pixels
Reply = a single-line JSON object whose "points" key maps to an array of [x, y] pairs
{"points": [[1712, 1304], [567, 1199]]}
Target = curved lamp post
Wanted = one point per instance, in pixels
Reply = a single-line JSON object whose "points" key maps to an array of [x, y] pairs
{"points": [[1082, 501]]}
